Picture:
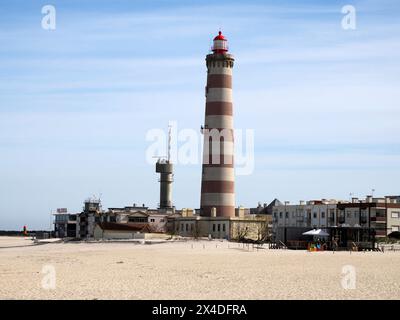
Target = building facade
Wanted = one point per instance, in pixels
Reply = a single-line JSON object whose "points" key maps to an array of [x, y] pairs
{"points": [[238, 228], [83, 225], [310, 214], [65, 225], [381, 215]]}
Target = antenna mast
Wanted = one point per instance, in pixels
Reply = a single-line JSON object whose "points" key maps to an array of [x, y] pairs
{"points": [[169, 143]]}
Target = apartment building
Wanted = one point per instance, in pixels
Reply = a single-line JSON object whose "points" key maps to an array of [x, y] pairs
{"points": [[310, 214], [381, 216]]}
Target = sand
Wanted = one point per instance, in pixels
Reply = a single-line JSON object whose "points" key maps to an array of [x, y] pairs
{"points": [[189, 270]]}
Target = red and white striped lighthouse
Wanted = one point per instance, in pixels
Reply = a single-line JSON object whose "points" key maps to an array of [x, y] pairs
{"points": [[218, 178]]}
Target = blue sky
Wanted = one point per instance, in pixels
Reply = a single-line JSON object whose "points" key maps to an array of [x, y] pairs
{"points": [[76, 103]]}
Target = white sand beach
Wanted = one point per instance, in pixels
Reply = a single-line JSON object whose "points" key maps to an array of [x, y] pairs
{"points": [[190, 270]]}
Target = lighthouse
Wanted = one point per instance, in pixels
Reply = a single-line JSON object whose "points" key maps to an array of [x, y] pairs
{"points": [[218, 179]]}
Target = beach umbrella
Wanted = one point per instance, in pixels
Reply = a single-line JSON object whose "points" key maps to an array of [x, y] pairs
{"points": [[316, 232]]}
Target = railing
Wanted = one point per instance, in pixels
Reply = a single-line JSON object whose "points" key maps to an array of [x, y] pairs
{"points": [[277, 245], [282, 245], [388, 247], [297, 244]]}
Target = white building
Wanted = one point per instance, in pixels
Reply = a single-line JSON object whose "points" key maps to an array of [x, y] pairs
{"points": [[310, 214]]}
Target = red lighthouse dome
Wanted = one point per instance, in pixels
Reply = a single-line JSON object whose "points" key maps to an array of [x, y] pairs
{"points": [[220, 44]]}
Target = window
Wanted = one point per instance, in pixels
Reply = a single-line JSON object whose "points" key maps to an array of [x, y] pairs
{"points": [[322, 215], [182, 227], [395, 215], [395, 228], [280, 215], [191, 227], [187, 227], [161, 220], [137, 219], [59, 218], [381, 213], [348, 214], [275, 214], [315, 215], [152, 220], [213, 227], [223, 227], [286, 214], [219, 227]]}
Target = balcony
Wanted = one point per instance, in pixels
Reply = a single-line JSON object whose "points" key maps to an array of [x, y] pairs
{"points": [[380, 232], [379, 219]]}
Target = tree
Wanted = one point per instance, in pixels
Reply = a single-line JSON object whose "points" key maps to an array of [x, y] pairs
{"points": [[263, 232], [196, 230], [241, 231]]}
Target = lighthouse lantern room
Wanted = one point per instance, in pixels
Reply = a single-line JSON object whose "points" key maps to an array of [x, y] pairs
{"points": [[220, 44]]}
